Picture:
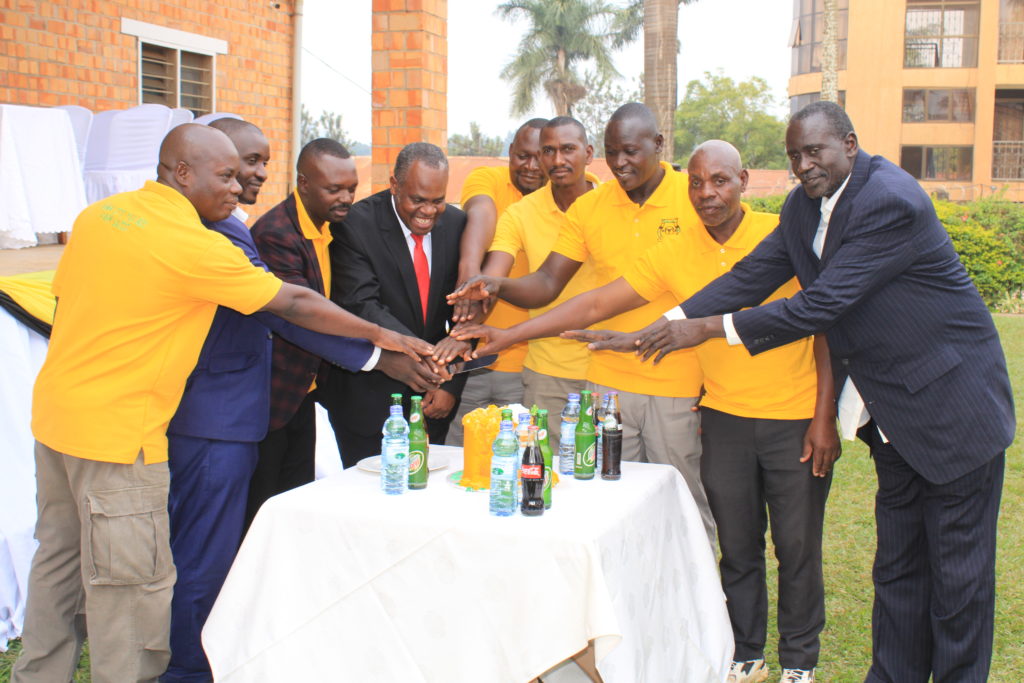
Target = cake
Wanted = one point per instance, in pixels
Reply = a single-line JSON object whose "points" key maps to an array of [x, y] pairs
{"points": [[480, 428]]}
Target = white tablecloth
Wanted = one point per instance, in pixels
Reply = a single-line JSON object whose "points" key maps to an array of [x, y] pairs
{"points": [[338, 582], [24, 351], [41, 187]]}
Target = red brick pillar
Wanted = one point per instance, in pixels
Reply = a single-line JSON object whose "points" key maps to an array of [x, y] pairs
{"points": [[410, 79]]}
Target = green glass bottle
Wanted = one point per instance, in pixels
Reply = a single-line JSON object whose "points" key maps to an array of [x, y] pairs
{"points": [[545, 450], [586, 438], [419, 448]]}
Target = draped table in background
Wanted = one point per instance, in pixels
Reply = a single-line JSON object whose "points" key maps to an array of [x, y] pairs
{"points": [[41, 188], [336, 581]]}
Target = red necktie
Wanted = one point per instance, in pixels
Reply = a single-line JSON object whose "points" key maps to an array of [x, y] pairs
{"points": [[419, 263]]}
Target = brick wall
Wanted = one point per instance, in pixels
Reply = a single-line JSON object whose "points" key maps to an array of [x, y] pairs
{"points": [[410, 81], [73, 52]]}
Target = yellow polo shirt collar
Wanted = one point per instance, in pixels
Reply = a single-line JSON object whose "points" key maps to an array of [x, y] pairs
{"points": [[321, 239]]}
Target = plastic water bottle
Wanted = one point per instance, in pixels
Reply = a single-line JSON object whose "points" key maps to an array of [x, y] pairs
{"points": [[567, 435], [394, 453], [503, 471]]}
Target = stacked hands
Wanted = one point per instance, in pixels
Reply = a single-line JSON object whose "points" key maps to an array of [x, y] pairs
{"points": [[475, 298]]}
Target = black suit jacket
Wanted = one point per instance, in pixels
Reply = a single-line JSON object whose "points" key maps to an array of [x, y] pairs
{"points": [[372, 276], [902, 316]]}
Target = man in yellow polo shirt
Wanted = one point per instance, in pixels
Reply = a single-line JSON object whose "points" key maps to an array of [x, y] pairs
{"points": [[487, 193], [768, 421], [553, 367], [137, 288], [613, 226]]}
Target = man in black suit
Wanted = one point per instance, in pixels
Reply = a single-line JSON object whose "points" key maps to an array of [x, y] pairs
{"points": [[921, 374], [393, 259]]}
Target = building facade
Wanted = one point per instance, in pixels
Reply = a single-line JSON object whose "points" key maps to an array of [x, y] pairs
{"points": [[230, 56], [934, 85]]}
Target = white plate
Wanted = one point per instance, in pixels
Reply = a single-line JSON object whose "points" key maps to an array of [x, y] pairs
{"points": [[436, 461]]}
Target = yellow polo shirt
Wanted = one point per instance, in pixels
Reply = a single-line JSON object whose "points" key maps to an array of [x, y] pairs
{"points": [[137, 287], [496, 183], [531, 226], [320, 238], [780, 384], [605, 225]]}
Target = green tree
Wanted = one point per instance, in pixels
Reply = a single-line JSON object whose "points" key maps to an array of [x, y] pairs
{"points": [[327, 126], [562, 35], [476, 144], [308, 127], [717, 107], [603, 97]]}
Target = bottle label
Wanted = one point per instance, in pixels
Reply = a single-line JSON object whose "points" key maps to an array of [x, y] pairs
{"points": [[542, 434], [534, 471], [416, 461], [589, 411], [415, 417], [586, 457], [497, 471]]}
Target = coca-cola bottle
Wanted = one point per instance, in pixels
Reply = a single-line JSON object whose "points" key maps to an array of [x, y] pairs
{"points": [[532, 471]]}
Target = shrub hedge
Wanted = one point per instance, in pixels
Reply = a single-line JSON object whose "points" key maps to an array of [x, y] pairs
{"points": [[987, 233]]}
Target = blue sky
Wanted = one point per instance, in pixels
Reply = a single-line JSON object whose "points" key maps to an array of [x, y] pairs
{"points": [[743, 38]]}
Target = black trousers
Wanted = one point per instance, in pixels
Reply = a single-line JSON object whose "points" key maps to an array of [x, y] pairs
{"points": [[934, 572], [752, 474], [287, 458]]}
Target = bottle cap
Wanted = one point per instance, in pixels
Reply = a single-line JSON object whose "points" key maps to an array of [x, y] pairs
{"points": [[574, 396]]}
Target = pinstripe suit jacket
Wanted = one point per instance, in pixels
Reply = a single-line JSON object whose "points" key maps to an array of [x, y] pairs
{"points": [[902, 316]]}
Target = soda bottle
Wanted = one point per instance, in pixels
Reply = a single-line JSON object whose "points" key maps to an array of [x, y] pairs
{"points": [[612, 409], [533, 477], [419, 448], [523, 436], [599, 404], [394, 453], [567, 434], [586, 439], [503, 473], [545, 450]]}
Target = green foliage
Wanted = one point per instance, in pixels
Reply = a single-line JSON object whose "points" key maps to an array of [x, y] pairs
{"points": [[561, 36], [327, 126], [718, 107], [603, 97], [476, 144], [770, 204]]}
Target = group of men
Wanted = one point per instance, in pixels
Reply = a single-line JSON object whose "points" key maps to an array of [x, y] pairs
{"points": [[155, 450]]}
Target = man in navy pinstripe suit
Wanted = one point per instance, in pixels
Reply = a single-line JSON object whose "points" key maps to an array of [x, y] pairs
{"points": [[922, 375]]}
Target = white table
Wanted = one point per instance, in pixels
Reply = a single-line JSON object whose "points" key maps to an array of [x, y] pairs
{"points": [[338, 582], [41, 188]]}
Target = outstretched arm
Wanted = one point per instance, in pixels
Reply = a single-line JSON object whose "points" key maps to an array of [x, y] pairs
{"points": [[821, 442], [537, 289]]}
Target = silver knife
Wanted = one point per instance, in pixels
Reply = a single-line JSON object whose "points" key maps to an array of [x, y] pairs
{"points": [[467, 365]]}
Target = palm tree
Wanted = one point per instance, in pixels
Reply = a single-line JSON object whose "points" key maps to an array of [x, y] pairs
{"points": [[562, 34], [830, 54]]}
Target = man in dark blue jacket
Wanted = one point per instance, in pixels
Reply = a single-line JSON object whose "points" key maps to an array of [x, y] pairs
{"points": [[921, 378], [223, 415]]}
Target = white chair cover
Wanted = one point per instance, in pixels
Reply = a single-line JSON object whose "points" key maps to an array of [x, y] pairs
{"points": [[205, 119], [81, 122], [24, 351], [180, 116], [123, 152], [40, 175]]}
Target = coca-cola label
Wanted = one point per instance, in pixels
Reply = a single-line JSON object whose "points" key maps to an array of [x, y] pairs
{"points": [[533, 471]]}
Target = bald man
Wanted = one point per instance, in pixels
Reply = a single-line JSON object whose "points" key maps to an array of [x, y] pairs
{"points": [[137, 289], [612, 226], [768, 422]]}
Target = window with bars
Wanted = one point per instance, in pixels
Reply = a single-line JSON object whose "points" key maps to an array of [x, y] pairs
{"points": [[937, 163], [941, 34], [938, 104], [176, 78], [808, 32]]}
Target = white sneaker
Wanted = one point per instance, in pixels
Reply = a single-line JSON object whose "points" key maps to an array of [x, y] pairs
{"points": [[750, 671], [797, 676]]}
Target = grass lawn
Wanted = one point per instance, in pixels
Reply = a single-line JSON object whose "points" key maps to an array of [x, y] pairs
{"points": [[850, 547]]}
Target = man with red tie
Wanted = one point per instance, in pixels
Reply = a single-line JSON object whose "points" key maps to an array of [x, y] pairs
{"points": [[393, 260]]}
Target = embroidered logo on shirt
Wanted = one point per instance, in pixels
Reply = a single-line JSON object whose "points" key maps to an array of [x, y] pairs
{"points": [[668, 226]]}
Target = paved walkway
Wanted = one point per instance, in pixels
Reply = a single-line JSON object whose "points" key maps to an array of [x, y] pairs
{"points": [[30, 259]]}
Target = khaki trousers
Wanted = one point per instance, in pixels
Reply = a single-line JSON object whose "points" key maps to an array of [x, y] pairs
{"points": [[664, 430], [551, 393], [104, 552]]}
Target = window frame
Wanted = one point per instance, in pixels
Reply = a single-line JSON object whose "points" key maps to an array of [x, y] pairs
{"points": [[943, 6], [925, 150], [928, 92], [811, 18]]}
